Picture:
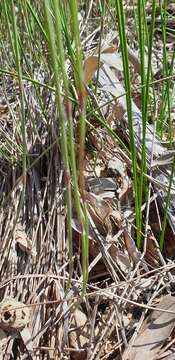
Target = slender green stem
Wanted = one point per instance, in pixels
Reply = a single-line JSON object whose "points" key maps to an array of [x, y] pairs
{"points": [[66, 123], [70, 134], [167, 100], [167, 206], [123, 44], [37, 20], [78, 71], [81, 92], [102, 10], [62, 117], [163, 115], [145, 93], [141, 37], [22, 100]]}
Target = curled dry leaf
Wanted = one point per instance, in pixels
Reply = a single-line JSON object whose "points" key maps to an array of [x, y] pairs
{"points": [[90, 67], [109, 50], [108, 56], [91, 64], [100, 206], [22, 239], [131, 247], [154, 332], [100, 210], [125, 188], [152, 252], [14, 315], [78, 337]]}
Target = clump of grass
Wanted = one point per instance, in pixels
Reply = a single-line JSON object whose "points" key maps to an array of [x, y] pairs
{"points": [[41, 42], [42, 164], [66, 122], [145, 39]]}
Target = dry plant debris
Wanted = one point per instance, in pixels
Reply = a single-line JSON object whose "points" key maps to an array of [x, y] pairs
{"points": [[128, 310], [154, 331]]}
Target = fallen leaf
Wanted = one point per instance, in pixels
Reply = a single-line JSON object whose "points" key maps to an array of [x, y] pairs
{"points": [[14, 315], [154, 332], [22, 239], [100, 210], [108, 56], [78, 337], [90, 67], [152, 252], [109, 50]]}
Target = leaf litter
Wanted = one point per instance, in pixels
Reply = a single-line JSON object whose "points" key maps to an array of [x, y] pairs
{"points": [[128, 310]]}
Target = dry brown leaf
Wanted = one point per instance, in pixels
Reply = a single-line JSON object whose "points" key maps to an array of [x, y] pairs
{"points": [[90, 67], [152, 252], [109, 50], [14, 315], [23, 240], [78, 337], [112, 59], [100, 206], [108, 56], [154, 332], [100, 210]]}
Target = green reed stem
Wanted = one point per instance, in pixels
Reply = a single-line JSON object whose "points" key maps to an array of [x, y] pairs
{"points": [[78, 72], [15, 39], [123, 44], [167, 206]]}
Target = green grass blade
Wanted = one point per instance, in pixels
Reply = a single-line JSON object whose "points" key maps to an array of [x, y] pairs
{"points": [[123, 44]]}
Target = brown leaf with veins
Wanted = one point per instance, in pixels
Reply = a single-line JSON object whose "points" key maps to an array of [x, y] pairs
{"points": [[154, 332]]}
